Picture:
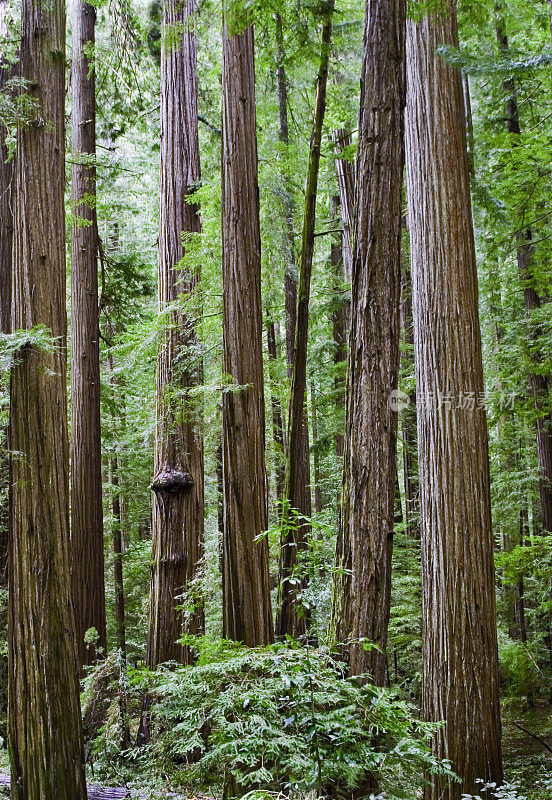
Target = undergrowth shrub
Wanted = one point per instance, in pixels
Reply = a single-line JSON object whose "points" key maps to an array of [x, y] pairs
{"points": [[519, 668], [284, 719]]}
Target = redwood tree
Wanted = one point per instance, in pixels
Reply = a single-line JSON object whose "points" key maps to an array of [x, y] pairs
{"points": [[6, 237], [86, 466], [178, 481], [247, 610], [460, 660], [363, 584], [44, 708]]}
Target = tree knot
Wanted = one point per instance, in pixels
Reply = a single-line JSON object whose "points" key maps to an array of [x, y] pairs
{"points": [[172, 481]]}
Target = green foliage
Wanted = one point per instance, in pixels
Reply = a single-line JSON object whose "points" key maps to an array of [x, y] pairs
{"points": [[519, 669], [13, 345], [286, 719]]}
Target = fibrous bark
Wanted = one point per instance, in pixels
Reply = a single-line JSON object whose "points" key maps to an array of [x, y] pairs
{"points": [[86, 468], [178, 493], [247, 610], [460, 659], [44, 707], [363, 581], [6, 237]]}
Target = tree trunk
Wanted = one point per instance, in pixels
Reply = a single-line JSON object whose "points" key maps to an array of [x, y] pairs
{"points": [[277, 416], [345, 170], [6, 237], [292, 620], [340, 323], [318, 505], [86, 467], [118, 581], [539, 384], [45, 733], [178, 493], [460, 683], [303, 498], [247, 609], [118, 585], [288, 242], [408, 417], [362, 596]]}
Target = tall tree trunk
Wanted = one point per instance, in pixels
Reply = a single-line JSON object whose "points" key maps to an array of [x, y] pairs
{"points": [[86, 467], [340, 322], [45, 733], [539, 384], [303, 498], [318, 505], [408, 417], [6, 238], [118, 585], [345, 170], [460, 669], [277, 416], [247, 608], [118, 582], [362, 588], [178, 493], [288, 239], [291, 620]]}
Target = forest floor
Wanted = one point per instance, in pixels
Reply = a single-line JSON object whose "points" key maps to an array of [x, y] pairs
{"points": [[527, 753]]}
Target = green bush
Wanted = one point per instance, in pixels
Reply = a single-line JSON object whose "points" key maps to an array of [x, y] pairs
{"points": [[285, 718], [519, 668]]}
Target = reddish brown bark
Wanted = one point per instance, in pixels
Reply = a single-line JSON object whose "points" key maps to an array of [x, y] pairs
{"points": [[45, 733], [247, 610], [6, 237], [86, 469], [460, 658], [178, 493], [363, 581]]}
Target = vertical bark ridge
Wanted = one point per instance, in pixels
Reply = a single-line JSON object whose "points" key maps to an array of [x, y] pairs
{"points": [[363, 585], [247, 609], [6, 239], [46, 749], [86, 468], [460, 684], [178, 489]]}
